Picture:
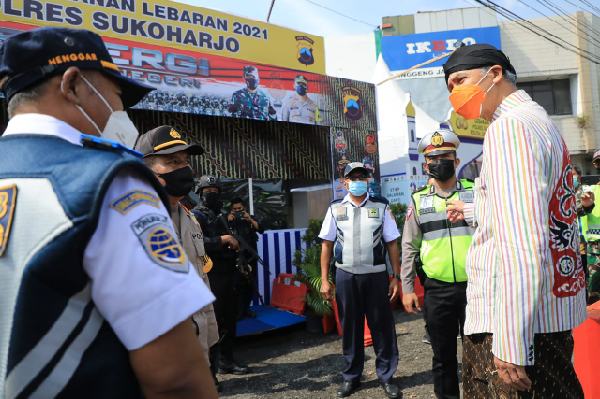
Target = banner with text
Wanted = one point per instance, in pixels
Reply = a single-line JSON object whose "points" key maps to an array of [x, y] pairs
{"points": [[179, 26], [194, 81]]}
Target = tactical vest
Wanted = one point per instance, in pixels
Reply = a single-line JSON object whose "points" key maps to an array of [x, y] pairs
{"points": [[444, 245], [359, 246], [590, 223], [53, 340]]}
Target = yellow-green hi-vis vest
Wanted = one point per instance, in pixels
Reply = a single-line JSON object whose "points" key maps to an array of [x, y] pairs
{"points": [[444, 245], [590, 223]]}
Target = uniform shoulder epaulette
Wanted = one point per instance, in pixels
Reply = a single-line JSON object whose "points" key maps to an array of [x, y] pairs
{"points": [[336, 201], [100, 143], [378, 198]]}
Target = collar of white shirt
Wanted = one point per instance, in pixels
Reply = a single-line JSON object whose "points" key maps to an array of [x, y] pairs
{"points": [[348, 199], [43, 125]]}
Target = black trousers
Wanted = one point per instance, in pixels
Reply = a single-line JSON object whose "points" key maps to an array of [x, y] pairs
{"points": [[445, 317], [223, 287], [357, 296]]}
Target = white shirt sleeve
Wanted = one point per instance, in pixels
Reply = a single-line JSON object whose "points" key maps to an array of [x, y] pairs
{"points": [[142, 282], [390, 228], [328, 228]]}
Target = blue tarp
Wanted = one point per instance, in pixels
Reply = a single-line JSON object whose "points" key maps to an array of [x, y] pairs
{"points": [[267, 318]]}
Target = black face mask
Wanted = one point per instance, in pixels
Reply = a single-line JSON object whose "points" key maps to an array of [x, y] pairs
{"points": [[443, 170], [252, 83], [212, 201], [179, 182]]}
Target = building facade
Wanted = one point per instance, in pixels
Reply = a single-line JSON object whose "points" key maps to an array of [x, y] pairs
{"points": [[565, 83]]}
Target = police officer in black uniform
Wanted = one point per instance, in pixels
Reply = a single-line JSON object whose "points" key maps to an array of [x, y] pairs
{"points": [[222, 249]]}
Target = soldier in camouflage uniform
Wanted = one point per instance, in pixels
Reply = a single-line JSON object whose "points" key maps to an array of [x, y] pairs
{"points": [[251, 102], [299, 107]]}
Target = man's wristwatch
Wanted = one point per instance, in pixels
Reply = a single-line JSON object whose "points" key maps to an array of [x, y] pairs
{"points": [[397, 276]]}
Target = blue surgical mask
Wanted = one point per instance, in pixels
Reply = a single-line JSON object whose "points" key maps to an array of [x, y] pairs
{"points": [[357, 188], [575, 182]]}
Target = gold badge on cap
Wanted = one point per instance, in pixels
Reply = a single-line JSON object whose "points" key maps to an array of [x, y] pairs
{"points": [[437, 140], [8, 200], [173, 133]]}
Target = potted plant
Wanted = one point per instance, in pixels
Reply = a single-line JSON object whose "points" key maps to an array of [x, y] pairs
{"points": [[308, 263]]}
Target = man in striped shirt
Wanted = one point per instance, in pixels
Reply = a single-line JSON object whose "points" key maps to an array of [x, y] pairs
{"points": [[526, 283]]}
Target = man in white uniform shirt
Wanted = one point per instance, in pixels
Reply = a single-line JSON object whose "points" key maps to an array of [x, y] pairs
{"points": [[95, 290]]}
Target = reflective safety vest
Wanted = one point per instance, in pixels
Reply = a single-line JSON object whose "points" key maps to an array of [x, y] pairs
{"points": [[359, 245], [444, 245], [590, 223]]}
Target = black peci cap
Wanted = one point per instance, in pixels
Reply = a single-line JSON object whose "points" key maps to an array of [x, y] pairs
{"points": [[31, 57], [476, 56], [165, 140]]}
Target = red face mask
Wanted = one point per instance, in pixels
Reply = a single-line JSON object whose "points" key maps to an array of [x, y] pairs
{"points": [[467, 100]]}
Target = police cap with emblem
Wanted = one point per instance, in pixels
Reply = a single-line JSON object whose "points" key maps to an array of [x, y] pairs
{"points": [[31, 57], [165, 140], [438, 142], [356, 166]]}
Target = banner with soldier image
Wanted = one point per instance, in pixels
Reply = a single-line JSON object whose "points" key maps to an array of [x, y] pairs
{"points": [[192, 80]]}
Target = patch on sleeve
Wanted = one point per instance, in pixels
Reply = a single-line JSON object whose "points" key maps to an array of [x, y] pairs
{"points": [[160, 243], [8, 200], [127, 202]]}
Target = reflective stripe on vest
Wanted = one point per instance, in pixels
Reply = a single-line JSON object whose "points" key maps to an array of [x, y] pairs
{"points": [[444, 245]]}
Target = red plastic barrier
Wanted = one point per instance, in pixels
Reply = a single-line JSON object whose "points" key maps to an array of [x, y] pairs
{"points": [[328, 322], [289, 293], [338, 325], [587, 352], [367, 335], [368, 338]]}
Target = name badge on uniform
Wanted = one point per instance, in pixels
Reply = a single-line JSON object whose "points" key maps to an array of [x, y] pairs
{"points": [[426, 205], [466, 196], [341, 213], [373, 213], [8, 199]]}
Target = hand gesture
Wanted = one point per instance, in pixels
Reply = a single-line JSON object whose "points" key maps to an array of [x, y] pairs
{"points": [[411, 303], [587, 199], [326, 289], [512, 375], [455, 210]]}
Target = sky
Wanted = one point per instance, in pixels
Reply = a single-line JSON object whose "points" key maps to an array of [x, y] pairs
{"points": [[307, 16]]}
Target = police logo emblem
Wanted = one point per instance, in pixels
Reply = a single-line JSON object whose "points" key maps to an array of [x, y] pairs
{"points": [[304, 46], [351, 97], [160, 243], [373, 212], [8, 200], [173, 133], [437, 140]]}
